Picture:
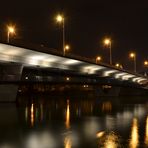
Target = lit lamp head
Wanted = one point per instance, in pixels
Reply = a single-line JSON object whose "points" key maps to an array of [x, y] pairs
{"points": [[132, 55], [67, 78], [117, 65], [59, 18], [145, 63], [67, 47], [107, 41], [11, 29], [98, 58]]}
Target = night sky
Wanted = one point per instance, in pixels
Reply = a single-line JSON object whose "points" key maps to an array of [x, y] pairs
{"points": [[86, 25]]}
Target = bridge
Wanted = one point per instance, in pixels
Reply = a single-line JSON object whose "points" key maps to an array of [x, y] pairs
{"points": [[22, 64]]}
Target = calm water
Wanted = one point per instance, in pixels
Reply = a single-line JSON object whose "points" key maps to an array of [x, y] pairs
{"points": [[85, 121]]}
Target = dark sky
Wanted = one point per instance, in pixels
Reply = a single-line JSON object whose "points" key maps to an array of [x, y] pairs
{"points": [[86, 23]]}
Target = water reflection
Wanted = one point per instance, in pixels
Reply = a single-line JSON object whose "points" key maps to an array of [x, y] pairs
{"points": [[100, 134], [41, 108], [110, 140], [106, 106], [67, 142], [134, 140], [40, 140], [90, 127], [32, 114], [139, 111], [146, 132], [26, 114], [67, 116], [55, 123]]}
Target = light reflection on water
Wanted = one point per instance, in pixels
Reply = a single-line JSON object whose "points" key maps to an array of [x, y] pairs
{"points": [[26, 114], [41, 107], [146, 132], [40, 140], [67, 116], [134, 139], [67, 142], [32, 114], [75, 123], [110, 140], [107, 106]]}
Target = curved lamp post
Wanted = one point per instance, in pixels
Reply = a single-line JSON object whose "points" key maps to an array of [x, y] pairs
{"points": [[60, 19], [98, 59], [10, 31], [133, 56], [108, 43]]}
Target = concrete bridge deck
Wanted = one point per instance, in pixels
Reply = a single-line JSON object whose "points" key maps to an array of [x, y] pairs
{"points": [[29, 57], [14, 59]]}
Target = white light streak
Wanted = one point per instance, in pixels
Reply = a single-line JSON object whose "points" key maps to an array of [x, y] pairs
{"points": [[119, 75], [108, 72], [136, 79], [91, 69], [126, 77], [71, 62]]}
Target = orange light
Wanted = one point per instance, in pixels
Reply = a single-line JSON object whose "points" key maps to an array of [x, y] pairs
{"points": [[67, 78], [67, 142], [100, 134], [134, 140], [59, 18], [32, 114], [107, 41], [146, 132], [67, 116], [117, 65], [146, 63], [11, 29], [67, 47], [99, 58], [132, 55]]}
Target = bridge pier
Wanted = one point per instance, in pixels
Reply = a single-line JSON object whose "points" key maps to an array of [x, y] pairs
{"points": [[10, 74]]}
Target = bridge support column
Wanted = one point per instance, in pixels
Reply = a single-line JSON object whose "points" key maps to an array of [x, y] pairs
{"points": [[10, 74]]}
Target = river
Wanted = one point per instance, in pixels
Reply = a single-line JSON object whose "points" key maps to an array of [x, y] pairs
{"points": [[74, 121]]}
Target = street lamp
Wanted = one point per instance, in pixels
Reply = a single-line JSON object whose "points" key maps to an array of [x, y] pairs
{"points": [[145, 63], [133, 56], [118, 65], [98, 59], [107, 42], [60, 19], [10, 31], [66, 48]]}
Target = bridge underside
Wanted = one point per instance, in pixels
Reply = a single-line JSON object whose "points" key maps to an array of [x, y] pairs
{"points": [[15, 73], [19, 79], [22, 66], [57, 76], [53, 80]]}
